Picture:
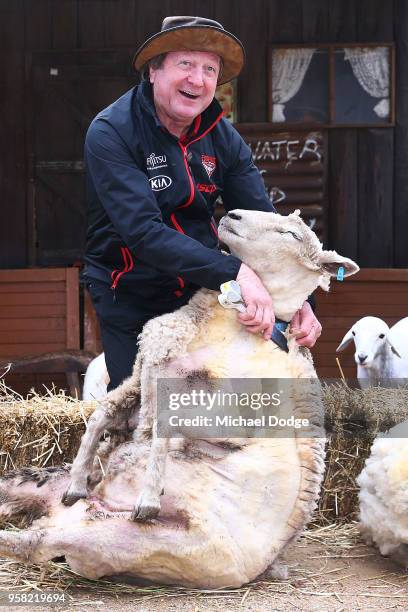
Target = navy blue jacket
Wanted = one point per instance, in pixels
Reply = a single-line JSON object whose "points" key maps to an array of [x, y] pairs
{"points": [[151, 198]]}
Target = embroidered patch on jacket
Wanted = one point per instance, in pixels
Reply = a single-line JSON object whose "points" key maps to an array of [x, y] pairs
{"points": [[209, 164]]}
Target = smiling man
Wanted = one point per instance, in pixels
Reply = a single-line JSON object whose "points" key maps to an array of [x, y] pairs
{"points": [[157, 159]]}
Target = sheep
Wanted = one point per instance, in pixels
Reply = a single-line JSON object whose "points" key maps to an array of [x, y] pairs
{"points": [[383, 494], [381, 353], [96, 379], [225, 509]]}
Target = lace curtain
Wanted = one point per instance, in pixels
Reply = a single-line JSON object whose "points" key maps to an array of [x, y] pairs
{"points": [[371, 68], [289, 67]]}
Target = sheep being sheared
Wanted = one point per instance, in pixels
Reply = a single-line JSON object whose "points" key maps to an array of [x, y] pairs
{"points": [[381, 353], [383, 494], [228, 509]]}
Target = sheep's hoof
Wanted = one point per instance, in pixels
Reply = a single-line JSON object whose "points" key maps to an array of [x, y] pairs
{"points": [[71, 497], [146, 510]]}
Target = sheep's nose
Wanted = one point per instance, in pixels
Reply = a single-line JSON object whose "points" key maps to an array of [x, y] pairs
{"points": [[362, 358], [232, 215]]}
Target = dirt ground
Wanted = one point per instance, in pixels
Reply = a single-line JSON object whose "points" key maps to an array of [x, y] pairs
{"points": [[329, 569]]}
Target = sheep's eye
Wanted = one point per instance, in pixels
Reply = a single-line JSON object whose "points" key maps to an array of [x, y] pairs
{"points": [[381, 336], [354, 333], [296, 236]]}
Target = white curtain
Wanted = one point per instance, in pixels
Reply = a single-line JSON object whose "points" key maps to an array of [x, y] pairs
{"points": [[289, 67], [372, 70]]}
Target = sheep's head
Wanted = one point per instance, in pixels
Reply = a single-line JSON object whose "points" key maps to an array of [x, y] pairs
{"points": [[267, 242], [371, 338]]}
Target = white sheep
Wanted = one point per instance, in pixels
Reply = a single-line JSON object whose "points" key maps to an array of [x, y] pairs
{"points": [[96, 379], [225, 509], [381, 353], [291, 263], [383, 494]]}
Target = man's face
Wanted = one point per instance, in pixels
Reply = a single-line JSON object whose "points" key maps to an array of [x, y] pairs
{"points": [[184, 85]]}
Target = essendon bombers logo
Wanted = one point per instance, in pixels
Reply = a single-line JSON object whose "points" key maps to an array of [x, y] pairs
{"points": [[209, 164]]}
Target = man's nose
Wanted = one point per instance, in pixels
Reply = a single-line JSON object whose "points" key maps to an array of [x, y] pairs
{"points": [[195, 76], [362, 357]]}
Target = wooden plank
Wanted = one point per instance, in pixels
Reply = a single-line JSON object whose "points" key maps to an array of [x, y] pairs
{"points": [[368, 298], [38, 287], [401, 135], [364, 310], [44, 325], [342, 186], [33, 275], [284, 21], [32, 336], [122, 18], [72, 304], [375, 189], [315, 21], [342, 26], [373, 286], [340, 322], [91, 24], [13, 235], [31, 299], [252, 101], [62, 361], [38, 24], [64, 24], [375, 21], [24, 383], [33, 311], [21, 350]]}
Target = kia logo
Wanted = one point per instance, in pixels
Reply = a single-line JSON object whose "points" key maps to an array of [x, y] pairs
{"points": [[158, 183]]}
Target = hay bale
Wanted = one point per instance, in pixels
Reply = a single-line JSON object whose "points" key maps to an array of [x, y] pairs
{"points": [[46, 430], [354, 417], [40, 430]]}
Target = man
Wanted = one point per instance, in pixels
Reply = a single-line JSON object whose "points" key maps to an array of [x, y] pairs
{"points": [[157, 159]]}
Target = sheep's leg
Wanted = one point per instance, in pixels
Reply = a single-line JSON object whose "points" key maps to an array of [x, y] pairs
{"points": [[83, 462], [148, 504], [112, 412]]}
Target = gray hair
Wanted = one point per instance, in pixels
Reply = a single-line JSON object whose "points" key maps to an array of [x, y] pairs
{"points": [[156, 62]]}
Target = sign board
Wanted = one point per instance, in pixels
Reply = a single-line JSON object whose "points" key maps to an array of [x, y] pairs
{"points": [[293, 166]]}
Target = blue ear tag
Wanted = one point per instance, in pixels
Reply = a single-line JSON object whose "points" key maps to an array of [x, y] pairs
{"points": [[340, 274]]}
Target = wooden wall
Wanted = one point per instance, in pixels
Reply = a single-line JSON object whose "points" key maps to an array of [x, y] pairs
{"points": [[368, 168]]}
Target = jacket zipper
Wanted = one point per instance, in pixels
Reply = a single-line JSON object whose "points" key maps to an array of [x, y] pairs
{"points": [[128, 261], [178, 227]]}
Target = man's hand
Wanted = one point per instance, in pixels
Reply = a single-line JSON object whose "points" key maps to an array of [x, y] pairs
{"points": [[259, 315], [305, 327]]}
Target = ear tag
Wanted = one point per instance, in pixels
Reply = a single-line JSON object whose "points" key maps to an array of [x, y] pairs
{"points": [[340, 274]]}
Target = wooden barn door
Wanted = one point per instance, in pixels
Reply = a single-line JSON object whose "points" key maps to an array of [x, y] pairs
{"points": [[67, 90]]}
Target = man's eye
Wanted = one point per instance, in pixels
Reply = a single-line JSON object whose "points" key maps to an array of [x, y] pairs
{"points": [[185, 62]]}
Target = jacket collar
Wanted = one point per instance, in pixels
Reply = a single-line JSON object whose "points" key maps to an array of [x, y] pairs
{"points": [[199, 126]]}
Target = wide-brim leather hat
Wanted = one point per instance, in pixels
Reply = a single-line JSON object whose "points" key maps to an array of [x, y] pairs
{"points": [[194, 34]]}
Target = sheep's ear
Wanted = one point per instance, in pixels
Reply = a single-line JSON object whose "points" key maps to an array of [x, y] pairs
{"points": [[330, 262], [348, 338], [394, 350]]}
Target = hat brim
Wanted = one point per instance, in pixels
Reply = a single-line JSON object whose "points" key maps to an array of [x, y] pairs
{"points": [[196, 38]]}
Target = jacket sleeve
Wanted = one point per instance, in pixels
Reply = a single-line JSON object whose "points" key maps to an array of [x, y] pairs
{"points": [[124, 191], [243, 184]]}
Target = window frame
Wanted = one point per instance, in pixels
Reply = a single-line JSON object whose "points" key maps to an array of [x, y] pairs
{"points": [[331, 124]]}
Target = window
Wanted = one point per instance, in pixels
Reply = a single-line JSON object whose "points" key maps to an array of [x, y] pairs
{"points": [[332, 85]]}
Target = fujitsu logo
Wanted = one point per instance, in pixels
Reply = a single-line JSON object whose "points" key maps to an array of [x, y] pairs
{"points": [[154, 160]]}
